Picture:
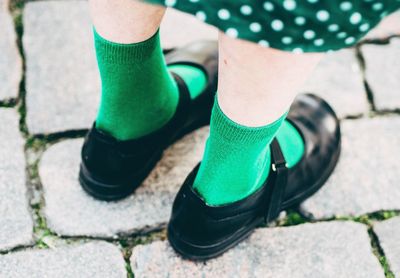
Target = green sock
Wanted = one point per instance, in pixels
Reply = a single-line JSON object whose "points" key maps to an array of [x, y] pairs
{"points": [[237, 158], [139, 94], [194, 78], [291, 143]]}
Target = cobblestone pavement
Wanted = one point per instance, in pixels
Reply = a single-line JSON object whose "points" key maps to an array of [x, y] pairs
{"points": [[50, 228]]}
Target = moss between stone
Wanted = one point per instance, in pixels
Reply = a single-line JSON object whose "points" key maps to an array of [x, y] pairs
{"points": [[293, 218], [379, 253], [35, 146]]}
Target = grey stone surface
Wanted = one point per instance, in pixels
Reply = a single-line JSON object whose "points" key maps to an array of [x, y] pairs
{"points": [[62, 71], [179, 29], [10, 61], [389, 239], [382, 73], [95, 259], [15, 220], [338, 79], [70, 211], [367, 176], [62, 82], [335, 249]]}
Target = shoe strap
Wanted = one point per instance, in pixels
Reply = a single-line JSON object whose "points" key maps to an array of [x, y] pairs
{"points": [[184, 96], [280, 170]]}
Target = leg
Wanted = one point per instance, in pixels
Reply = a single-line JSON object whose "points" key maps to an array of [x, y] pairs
{"points": [[256, 87], [256, 84], [139, 95], [125, 21], [141, 109]]}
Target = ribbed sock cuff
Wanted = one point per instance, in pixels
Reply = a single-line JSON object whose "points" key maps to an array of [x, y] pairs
{"points": [[228, 130], [117, 53]]}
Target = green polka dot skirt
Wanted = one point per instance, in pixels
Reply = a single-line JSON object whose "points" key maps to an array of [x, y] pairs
{"points": [[291, 25]]}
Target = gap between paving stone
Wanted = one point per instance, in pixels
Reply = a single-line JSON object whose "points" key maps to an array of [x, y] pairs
{"points": [[334, 249], [382, 73], [388, 235], [69, 211]]}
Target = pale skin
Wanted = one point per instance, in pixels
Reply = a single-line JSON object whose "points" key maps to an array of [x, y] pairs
{"points": [[256, 84]]}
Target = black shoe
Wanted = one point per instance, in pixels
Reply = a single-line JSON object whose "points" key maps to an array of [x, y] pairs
{"points": [[113, 169], [199, 231]]}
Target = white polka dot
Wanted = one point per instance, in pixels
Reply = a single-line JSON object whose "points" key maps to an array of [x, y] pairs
{"points": [[268, 6], [170, 3], [297, 50], [246, 10], [346, 6], [341, 35], [355, 18], [384, 14], [333, 27], [350, 40], [309, 34], [289, 5], [224, 14], [264, 43], [323, 15], [312, 1], [377, 6], [364, 27], [194, 1], [319, 42], [287, 40], [255, 27], [232, 32], [300, 20], [277, 25], [201, 15]]}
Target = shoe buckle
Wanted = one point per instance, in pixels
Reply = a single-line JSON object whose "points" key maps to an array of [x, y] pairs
{"points": [[279, 165]]}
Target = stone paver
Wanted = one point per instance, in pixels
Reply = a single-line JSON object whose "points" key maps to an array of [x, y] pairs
{"points": [[389, 239], [98, 259], [70, 211], [382, 73], [62, 82], [367, 175], [338, 79], [15, 220], [312, 250], [10, 61], [63, 87], [65, 74]]}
